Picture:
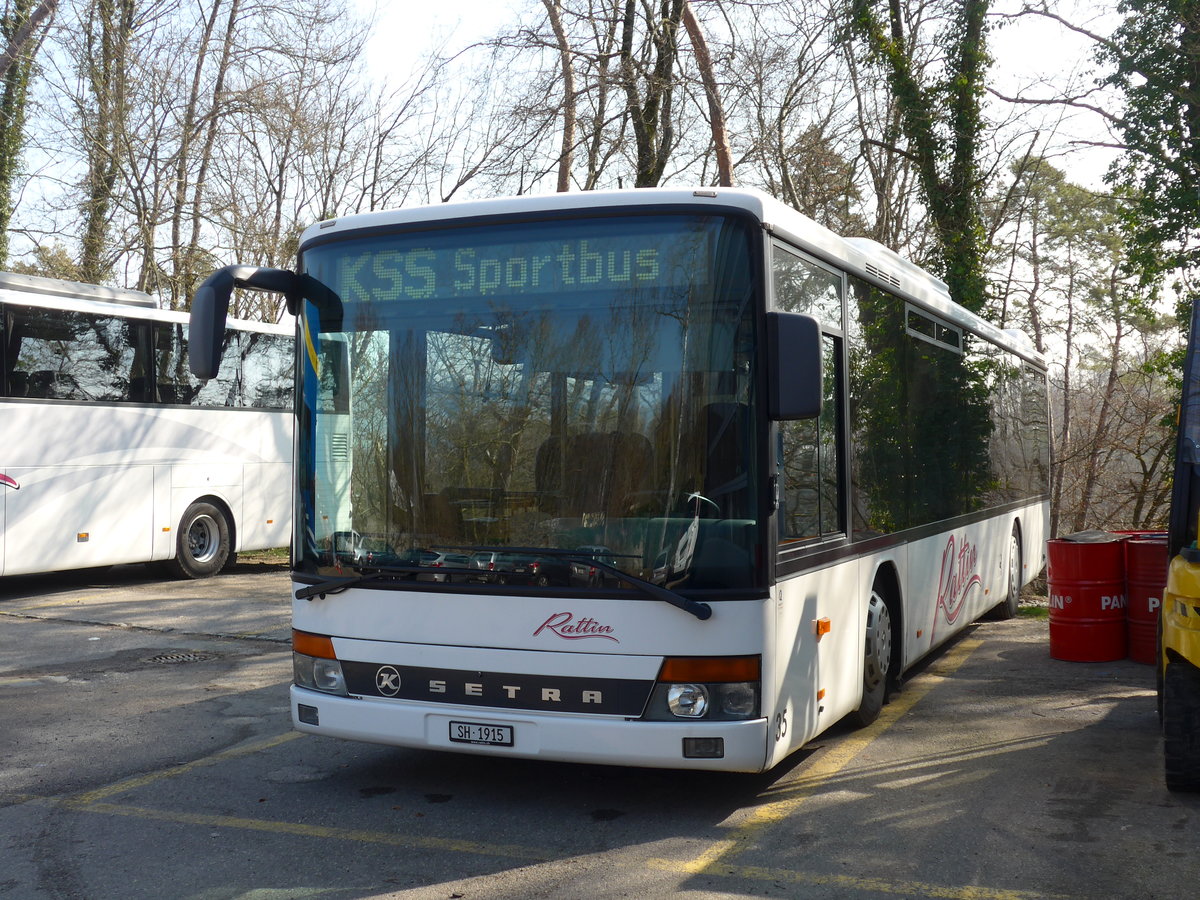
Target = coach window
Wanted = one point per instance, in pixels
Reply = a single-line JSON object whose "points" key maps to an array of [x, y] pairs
{"points": [[809, 451], [177, 384], [266, 370], [59, 355]]}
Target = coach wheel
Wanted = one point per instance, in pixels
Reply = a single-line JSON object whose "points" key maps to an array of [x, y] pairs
{"points": [[202, 545], [1007, 608], [1181, 726], [877, 660]]}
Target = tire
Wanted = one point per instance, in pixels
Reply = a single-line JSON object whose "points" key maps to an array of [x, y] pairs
{"points": [[1158, 668], [877, 661], [1007, 608], [1181, 726], [202, 544]]}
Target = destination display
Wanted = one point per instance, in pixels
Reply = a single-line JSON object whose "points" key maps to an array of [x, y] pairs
{"points": [[623, 256]]}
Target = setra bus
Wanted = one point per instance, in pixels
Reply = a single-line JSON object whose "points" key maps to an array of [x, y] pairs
{"points": [[663, 477], [112, 452]]}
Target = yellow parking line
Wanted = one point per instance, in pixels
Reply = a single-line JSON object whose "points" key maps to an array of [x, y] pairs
{"points": [[715, 859], [861, 884], [90, 797], [323, 831]]}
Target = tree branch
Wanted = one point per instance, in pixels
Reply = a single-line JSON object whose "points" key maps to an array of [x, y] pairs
{"points": [[1073, 102], [17, 44]]}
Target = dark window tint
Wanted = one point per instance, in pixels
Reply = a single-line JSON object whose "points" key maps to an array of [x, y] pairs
{"points": [[266, 363], [256, 370], [943, 423], [58, 355], [64, 355], [809, 461]]}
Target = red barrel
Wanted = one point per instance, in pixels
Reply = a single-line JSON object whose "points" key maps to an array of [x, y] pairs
{"points": [[1087, 599], [1145, 581]]}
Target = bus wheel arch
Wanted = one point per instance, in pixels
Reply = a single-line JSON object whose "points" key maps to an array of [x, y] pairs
{"points": [[882, 654], [204, 540]]}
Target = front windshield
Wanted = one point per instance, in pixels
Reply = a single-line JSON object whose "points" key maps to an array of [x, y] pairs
{"points": [[541, 404]]}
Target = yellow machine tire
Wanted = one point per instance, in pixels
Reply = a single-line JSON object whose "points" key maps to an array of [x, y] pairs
{"points": [[1181, 725]]}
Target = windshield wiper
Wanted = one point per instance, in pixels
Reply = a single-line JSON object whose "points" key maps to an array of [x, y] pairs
{"points": [[337, 585], [700, 610]]}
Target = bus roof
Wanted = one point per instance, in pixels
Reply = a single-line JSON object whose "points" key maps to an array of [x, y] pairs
{"points": [[57, 287], [51, 293], [862, 257]]}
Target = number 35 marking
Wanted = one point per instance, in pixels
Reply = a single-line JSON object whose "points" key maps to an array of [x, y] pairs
{"points": [[780, 726]]}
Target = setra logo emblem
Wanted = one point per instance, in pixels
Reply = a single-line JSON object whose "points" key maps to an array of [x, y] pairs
{"points": [[387, 681]]}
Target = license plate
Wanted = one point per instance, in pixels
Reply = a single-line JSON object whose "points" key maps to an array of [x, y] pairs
{"points": [[478, 733]]}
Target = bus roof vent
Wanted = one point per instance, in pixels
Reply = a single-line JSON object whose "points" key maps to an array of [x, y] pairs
{"points": [[869, 248], [882, 275], [55, 287]]}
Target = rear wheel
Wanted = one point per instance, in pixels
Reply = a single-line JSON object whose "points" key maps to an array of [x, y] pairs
{"points": [[1007, 608], [877, 660], [1181, 726], [202, 544]]}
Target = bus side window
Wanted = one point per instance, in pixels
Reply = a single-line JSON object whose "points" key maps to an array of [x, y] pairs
{"points": [[266, 371], [73, 356], [809, 462], [808, 455], [175, 382]]}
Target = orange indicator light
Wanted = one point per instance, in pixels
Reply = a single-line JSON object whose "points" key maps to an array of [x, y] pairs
{"points": [[677, 669], [313, 644]]}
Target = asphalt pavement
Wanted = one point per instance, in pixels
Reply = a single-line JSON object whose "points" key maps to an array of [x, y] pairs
{"points": [[146, 752]]}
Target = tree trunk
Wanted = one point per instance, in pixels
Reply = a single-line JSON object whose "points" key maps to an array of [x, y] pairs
{"points": [[650, 117], [568, 75], [14, 91], [947, 168], [107, 69], [716, 114]]}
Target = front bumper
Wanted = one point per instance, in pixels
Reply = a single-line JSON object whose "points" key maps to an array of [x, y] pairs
{"points": [[557, 737]]}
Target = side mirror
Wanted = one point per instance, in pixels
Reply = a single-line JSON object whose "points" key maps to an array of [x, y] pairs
{"points": [[210, 307], [795, 368], [206, 329]]}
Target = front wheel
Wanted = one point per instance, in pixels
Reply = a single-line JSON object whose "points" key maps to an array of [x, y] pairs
{"points": [[877, 660], [1181, 726], [202, 544]]}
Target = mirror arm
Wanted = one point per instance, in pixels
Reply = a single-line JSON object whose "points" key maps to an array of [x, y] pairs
{"points": [[210, 308]]}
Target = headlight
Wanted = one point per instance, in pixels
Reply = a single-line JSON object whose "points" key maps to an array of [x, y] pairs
{"points": [[689, 701], [318, 674], [707, 702], [738, 700]]}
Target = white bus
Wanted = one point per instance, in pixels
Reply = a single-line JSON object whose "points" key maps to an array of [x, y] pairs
{"points": [[112, 452], [710, 477]]}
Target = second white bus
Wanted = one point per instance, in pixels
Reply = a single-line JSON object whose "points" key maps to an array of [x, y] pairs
{"points": [[112, 452]]}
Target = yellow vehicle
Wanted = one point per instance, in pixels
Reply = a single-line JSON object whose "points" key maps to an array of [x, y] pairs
{"points": [[1179, 619]]}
